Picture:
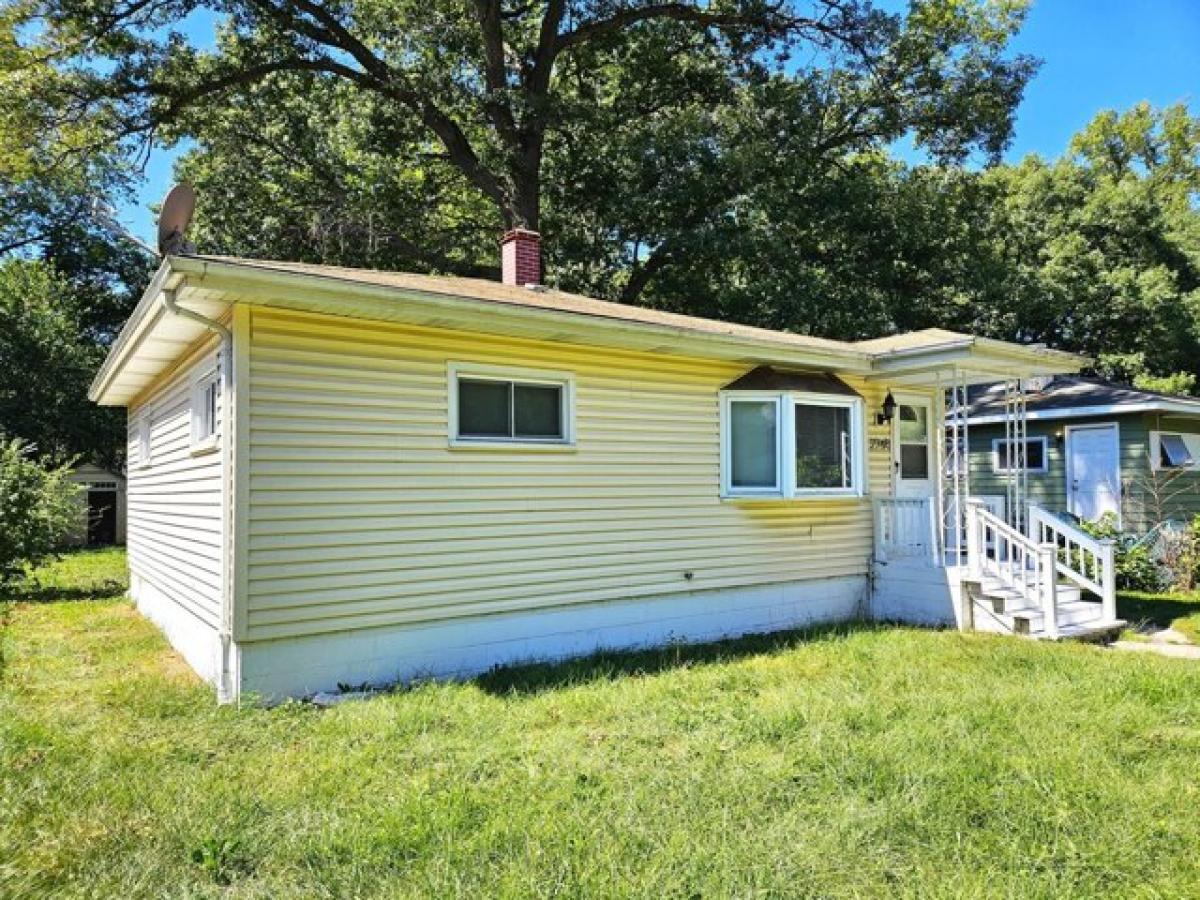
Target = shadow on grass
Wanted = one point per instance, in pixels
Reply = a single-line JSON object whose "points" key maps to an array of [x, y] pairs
{"points": [[1146, 612], [609, 665], [27, 592]]}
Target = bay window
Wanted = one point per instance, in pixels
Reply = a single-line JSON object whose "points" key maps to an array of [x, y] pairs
{"points": [[791, 445]]}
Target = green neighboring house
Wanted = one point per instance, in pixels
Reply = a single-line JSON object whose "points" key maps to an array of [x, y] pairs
{"points": [[1093, 447]]}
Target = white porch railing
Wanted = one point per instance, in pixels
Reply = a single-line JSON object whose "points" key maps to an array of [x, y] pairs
{"points": [[1087, 561], [997, 550], [906, 528]]}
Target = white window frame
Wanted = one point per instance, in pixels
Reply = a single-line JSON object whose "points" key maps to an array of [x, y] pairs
{"points": [[543, 377], [785, 451], [1156, 462], [204, 440], [998, 466]]}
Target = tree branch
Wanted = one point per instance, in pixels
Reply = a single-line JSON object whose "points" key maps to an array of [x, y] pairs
{"points": [[770, 22]]}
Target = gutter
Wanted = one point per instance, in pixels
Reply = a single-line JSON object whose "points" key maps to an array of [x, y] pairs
{"points": [[226, 689]]}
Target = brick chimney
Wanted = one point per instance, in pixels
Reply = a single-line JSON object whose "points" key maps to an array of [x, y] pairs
{"points": [[521, 257]]}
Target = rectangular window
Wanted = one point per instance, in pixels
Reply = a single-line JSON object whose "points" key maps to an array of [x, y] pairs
{"points": [[1006, 456], [824, 456], [1173, 452], [913, 436], [494, 408], [754, 445], [205, 400], [143, 440], [790, 444]]}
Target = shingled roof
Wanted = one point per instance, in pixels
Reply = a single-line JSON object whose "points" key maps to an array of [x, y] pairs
{"points": [[1075, 396]]}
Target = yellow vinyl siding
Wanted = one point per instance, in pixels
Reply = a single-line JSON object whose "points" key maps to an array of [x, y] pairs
{"points": [[360, 514], [174, 503]]}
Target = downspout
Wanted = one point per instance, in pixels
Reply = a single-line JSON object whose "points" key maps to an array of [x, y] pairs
{"points": [[225, 687]]}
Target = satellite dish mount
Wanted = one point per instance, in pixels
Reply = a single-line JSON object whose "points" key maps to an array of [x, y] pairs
{"points": [[173, 220]]}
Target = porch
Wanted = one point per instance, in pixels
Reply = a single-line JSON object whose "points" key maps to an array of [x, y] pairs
{"points": [[946, 555]]}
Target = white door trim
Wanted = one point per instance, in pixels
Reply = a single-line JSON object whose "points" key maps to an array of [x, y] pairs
{"points": [[1069, 475], [926, 487]]}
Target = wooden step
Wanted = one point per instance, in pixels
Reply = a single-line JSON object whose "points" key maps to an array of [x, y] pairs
{"points": [[1076, 612], [1005, 599]]}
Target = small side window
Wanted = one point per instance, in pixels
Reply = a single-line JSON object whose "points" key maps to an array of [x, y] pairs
{"points": [[205, 401], [1173, 452], [143, 440]]}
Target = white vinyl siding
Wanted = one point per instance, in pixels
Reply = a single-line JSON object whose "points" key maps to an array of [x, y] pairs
{"points": [[360, 514], [174, 504]]}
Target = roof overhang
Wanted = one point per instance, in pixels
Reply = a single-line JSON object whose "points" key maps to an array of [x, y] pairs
{"points": [[969, 360], [154, 339]]}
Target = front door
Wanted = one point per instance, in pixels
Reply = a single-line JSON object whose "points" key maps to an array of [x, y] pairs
{"points": [[912, 447], [1093, 471]]}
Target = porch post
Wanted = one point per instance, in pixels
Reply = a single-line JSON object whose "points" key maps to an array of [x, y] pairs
{"points": [[1048, 570], [1108, 599]]}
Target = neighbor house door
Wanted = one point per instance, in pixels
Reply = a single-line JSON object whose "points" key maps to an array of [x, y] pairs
{"points": [[912, 447], [1093, 471], [102, 518]]}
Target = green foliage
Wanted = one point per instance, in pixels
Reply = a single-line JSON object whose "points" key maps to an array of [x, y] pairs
{"points": [[858, 761], [46, 365], [38, 506], [1137, 569]]}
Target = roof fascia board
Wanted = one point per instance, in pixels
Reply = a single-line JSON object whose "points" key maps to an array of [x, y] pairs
{"points": [[147, 312], [314, 293]]}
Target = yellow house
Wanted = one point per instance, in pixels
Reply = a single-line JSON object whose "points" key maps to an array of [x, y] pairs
{"points": [[346, 476]]}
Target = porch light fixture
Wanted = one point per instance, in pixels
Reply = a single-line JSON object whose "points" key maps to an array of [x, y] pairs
{"points": [[888, 412]]}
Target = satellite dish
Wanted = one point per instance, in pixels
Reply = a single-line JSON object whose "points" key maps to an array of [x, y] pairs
{"points": [[174, 217]]}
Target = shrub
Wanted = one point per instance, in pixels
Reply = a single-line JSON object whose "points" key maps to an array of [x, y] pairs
{"points": [[1179, 551], [1136, 567], [39, 508]]}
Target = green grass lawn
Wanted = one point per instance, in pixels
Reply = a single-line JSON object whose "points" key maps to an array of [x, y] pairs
{"points": [[1145, 612], [850, 762]]}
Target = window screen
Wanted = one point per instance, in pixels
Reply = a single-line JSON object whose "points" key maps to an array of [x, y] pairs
{"points": [[823, 447], [509, 410]]}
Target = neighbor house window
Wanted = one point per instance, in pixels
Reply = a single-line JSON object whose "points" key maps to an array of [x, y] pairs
{"points": [[490, 406], [1006, 455], [1173, 452], [205, 400], [789, 445]]}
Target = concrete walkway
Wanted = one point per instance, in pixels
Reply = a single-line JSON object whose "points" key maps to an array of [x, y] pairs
{"points": [[1166, 642]]}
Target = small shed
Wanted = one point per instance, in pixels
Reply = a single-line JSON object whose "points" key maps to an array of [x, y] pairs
{"points": [[101, 507], [1094, 447]]}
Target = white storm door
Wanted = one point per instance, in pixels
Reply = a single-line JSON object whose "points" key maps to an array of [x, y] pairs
{"points": [[1093, 471], [912, 447]]}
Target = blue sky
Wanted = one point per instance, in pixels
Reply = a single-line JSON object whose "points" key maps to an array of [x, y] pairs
{"points": [[1096, 54]]}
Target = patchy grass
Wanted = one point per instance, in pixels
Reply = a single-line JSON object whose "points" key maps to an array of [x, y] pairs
{"points": [[845, 762], [1150, 612]]}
